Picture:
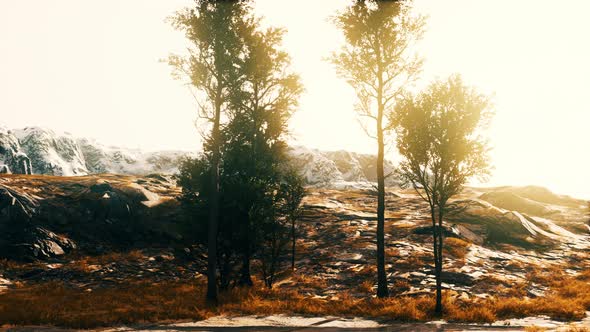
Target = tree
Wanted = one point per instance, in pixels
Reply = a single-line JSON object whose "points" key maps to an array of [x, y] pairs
{"points": [[274, 215], [294, 191], [257, 97], [211, 27], [194, 180], [261, 107], [438, 134], [377, 63]]}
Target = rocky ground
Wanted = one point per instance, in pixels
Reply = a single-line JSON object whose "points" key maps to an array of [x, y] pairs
{"points": [[97, 231], [489, 250]]}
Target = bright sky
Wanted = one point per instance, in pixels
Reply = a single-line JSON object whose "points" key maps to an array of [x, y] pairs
{"points": [[91, 68]]}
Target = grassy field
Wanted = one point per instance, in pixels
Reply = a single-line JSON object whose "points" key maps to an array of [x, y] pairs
{"points": [[140, 302]]}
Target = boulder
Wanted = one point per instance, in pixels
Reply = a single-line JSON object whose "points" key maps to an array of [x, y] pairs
{"points": [[32, 243]]}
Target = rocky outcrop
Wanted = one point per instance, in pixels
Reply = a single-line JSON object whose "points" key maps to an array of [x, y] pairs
{"points": [[52, 154], [12, 159], [494, 225], [32, 243], [20, 163], [86, 212]]}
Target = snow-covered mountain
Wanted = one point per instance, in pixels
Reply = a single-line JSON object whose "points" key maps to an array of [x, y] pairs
{"points": [[62, 154], [35, 150], [12, 158], [340, 169]]}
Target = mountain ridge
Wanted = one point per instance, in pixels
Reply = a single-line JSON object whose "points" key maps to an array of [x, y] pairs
{"points": [[39, 150]]}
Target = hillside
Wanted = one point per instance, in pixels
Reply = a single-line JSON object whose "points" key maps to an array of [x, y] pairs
{"points": [[99, 235], [45, 217]]}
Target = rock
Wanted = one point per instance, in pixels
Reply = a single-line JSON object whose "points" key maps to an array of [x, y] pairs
{"points": [[454, 278], [15, 206], [21, 163], [353, 258], [457, 278], [427, 230], [4, 284], [36, 243], [498, 226]]}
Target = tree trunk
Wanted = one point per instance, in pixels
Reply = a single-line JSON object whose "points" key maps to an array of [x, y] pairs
{"points": [[214, 205], [292, 244], [439, 261], [438, 308], [437, 254], [245, 277], [382, 290]]}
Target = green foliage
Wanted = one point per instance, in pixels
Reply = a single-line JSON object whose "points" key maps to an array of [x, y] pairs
{"points": [[377, 60], [239, 67], [213, 30], [256, 214], [439, 136]]}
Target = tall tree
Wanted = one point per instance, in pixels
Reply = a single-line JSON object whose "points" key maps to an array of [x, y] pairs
{"points": [[377, 63], [212, 28], [266, 99], [439, 137]]}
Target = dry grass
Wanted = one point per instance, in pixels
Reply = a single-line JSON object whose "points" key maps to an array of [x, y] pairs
{"points": [[391, 252], [534, 329], [88, 263], [546, 275], [456, 247], [303, 280], [366, 287], [574, 328], [367, 271], [56, 304], [156, 302]]}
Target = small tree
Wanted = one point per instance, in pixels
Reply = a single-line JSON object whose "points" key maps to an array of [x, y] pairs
{"points": [[194, 179], [274, 216], [438, 135], [294, 191], [376, 63]]}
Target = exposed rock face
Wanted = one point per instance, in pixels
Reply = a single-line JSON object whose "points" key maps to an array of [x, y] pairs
{"points": [[50, 153], [21, 163], [12, 159], [88, 212]]}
